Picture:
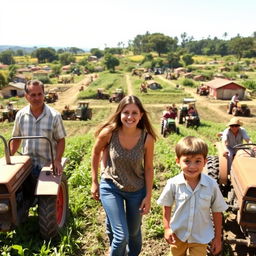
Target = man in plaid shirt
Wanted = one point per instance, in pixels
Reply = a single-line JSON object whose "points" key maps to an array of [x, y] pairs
{"points": [[38, 119]]}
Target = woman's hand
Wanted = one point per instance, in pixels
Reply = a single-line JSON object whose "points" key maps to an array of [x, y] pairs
{"points": [[95, 191], [145, 205]]}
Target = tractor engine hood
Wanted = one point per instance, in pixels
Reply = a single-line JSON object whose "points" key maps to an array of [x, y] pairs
{"points": [[244, 170], [243, 176]]}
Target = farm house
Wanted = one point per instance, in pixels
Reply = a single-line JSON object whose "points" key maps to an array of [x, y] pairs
{"points": [[224, 89], [13, 90]]}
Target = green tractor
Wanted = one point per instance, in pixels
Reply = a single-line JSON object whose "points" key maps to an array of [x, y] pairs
{"points": [[83, 112]]}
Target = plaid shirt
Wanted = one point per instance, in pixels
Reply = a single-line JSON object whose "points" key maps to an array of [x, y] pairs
{"points": [[48, 124]]}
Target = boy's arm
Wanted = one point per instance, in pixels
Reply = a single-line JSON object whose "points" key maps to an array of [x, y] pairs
{"points": [[168, 235], [216, 244]]}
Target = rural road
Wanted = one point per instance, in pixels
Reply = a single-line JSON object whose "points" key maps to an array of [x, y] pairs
{"points": [[69, 96], [129, 85]]}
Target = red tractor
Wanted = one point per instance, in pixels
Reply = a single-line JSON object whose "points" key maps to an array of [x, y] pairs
{"points": [[17, 194], [238, 186]]}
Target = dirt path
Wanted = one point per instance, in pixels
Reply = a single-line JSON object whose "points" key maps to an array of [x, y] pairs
{"points": [[129, 85], [69, 96]]}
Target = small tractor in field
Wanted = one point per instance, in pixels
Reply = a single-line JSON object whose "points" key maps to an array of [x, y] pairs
{"points": [[51, 97], [147, 76], [203, 90], [82, 112], [66, 79], [239, 109], [9, 113], [18, 193], [169, 127], [102, 95], [172, 76], [138, 71], [187, 113], [238, 186], [153, 85], [143, 88], [117, 96]]}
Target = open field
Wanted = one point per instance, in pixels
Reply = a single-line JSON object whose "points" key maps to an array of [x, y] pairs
{"points": [[84, 234]]}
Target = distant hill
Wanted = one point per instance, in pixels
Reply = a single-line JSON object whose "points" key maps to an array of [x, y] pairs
{"points": [[28, 49], [15, 48]]}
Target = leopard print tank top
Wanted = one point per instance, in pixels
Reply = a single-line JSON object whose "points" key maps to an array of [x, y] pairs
{"points": [[125, 167]]}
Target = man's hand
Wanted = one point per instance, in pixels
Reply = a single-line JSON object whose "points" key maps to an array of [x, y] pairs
{"points": [[58, 167]]}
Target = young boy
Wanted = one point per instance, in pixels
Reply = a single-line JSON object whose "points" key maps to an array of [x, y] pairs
{"points": [[196, 196]]}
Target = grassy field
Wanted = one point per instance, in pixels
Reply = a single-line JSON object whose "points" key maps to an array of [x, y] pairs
{"points": [[85, 233]]}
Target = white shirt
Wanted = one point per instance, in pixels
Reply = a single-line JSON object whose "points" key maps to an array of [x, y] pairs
{"points": [[191, 218], [233, 140]]}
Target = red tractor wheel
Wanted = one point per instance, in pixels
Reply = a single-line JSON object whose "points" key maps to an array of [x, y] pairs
{"points": [[53, 211]]}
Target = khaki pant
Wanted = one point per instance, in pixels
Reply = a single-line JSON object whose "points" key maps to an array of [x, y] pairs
{"points": [[191, 249]]}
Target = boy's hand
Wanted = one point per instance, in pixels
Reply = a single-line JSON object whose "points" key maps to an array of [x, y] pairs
{"points": [[169, 236], [216, 246]]}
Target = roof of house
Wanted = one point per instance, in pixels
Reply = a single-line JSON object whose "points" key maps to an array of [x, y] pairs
{"points": [[2, 66], [20, 86], [41, 72], [220, 82]]}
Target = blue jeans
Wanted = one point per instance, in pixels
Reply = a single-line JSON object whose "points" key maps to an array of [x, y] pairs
{"points": [[123, 220], [231, 154]]}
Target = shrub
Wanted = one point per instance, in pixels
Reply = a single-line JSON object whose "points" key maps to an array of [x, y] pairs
{"points": [[250, 84], [188, 82]]}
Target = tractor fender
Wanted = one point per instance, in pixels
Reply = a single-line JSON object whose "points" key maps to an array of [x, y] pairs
{"points": [[223, 164], [48, 183]]}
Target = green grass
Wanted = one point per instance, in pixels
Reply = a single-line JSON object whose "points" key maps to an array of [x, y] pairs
{"points": [[106, 80]]}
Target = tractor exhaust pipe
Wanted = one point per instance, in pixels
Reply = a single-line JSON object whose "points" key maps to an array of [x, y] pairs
{"points": [[6, 150]]}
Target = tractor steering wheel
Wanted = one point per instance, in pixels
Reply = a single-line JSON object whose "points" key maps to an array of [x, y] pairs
{"points": [[249, 148]]}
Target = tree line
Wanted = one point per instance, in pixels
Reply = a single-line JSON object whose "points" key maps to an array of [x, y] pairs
{"points": [[158, 42]]}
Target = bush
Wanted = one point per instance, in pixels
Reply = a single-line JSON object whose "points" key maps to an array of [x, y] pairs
{"points": [[44, 80], [188, 82], [250, 84]]}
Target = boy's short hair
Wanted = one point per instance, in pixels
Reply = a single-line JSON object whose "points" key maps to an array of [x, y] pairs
{"points": [[191, 145]]}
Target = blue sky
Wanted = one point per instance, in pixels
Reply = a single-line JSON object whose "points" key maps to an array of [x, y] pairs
{"points": [[100, 23]]}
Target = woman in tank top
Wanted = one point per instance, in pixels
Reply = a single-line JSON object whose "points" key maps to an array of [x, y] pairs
{"points": [[124, 146]]}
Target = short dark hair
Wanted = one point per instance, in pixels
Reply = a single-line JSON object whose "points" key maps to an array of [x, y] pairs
{"points": [[33, 82], [191, 145]]}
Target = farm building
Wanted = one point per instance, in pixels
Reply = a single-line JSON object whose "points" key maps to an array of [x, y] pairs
{"points": [[224, 89], [92, 58], [200, 78], [13, 90], [3, 66], [19, 78], [180, 70], [188, 75]]}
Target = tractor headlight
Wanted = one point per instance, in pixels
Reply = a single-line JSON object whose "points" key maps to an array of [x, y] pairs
{"points": [[250, 206], [4, 207]]}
